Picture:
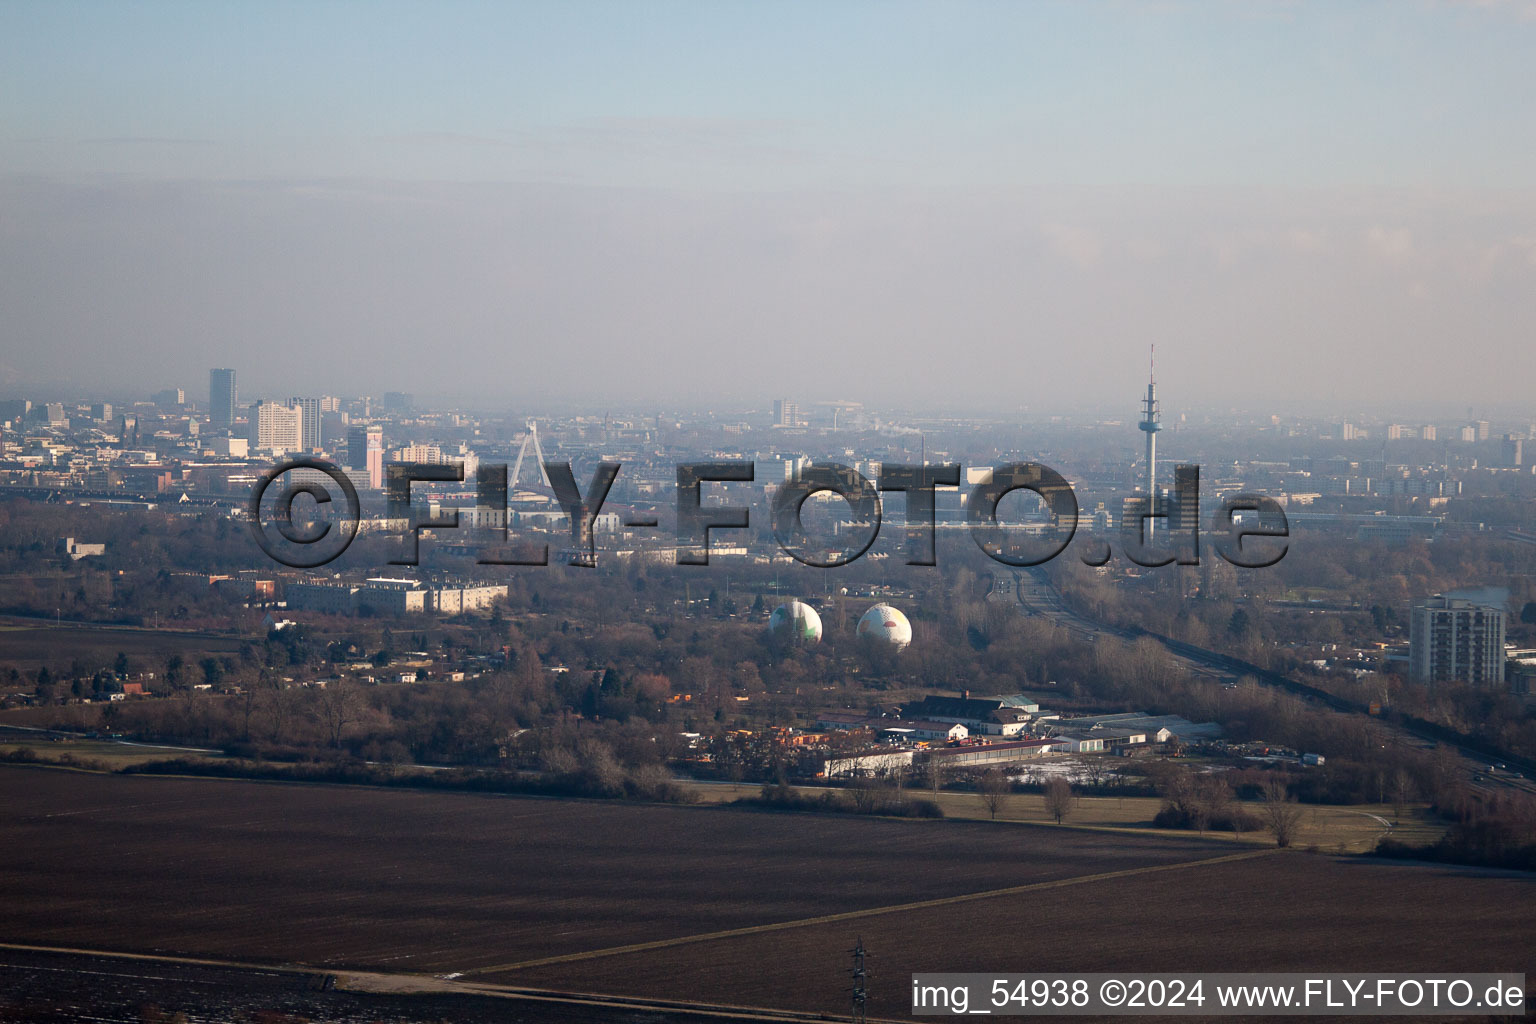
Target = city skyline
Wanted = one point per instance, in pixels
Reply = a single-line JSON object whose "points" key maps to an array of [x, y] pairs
{"points": [[608, 511]]}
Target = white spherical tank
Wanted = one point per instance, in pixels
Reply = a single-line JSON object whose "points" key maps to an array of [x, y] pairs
{"points": [[806, 623], [886, 623]]}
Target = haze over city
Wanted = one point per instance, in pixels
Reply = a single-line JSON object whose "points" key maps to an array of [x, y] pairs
{"points": [[630, 512], [1307, 207]]}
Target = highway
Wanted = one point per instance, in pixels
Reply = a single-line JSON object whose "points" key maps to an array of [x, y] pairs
{"points": [[1036, 596]]}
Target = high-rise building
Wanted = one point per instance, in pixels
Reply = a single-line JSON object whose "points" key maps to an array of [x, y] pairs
{"points": [[365, 451], [1458, 637], [1482, 429], [170, 398], [276, 426], [223, 397], [785, 413], [310, 434], [1468, 434], [1513, 451], [357, 447], [1347, 432], [1428, 432]]}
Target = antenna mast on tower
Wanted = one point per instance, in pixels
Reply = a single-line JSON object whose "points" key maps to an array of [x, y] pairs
{"points": [[1151, 423]]}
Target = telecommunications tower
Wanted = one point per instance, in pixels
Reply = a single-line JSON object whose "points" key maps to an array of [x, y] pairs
{"points": [[1151, 423]]}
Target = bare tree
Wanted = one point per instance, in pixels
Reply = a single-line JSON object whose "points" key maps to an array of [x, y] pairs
{"points": [[1213, 799], [935, 774], [1281, 814], [994, 788], [877, 794], [1239, 818], [1402, 792], [865, 793], [557, 759], [339, 705], [600, 769], [1058, 798], [246, 705], [1177, 787], [276, 704]]}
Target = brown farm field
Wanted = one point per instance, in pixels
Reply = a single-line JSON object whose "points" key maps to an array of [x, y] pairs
{"points": [[27, 645], [556, 894]]}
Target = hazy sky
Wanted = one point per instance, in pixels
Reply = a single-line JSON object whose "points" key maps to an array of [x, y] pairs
{"points": [[1303, 204]]}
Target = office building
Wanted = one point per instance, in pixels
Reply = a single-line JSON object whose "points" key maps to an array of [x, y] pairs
{"points": [[310, 434], [785, 413], [1458, 637], [365, 452], [223, 398]]}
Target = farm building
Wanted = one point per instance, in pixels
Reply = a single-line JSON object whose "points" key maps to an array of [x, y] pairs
{"points": [[1116, 738], [1159, 728], [987, 716], [879, 762], [948, 732], [989, 755], [1078, 743], [845, 720]]}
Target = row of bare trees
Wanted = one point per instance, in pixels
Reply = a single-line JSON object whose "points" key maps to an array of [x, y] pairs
{"points": [[994, 788], [1206, 800]]}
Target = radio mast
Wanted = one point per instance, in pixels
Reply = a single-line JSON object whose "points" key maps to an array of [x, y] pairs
{"points": [[1151, 423]]}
